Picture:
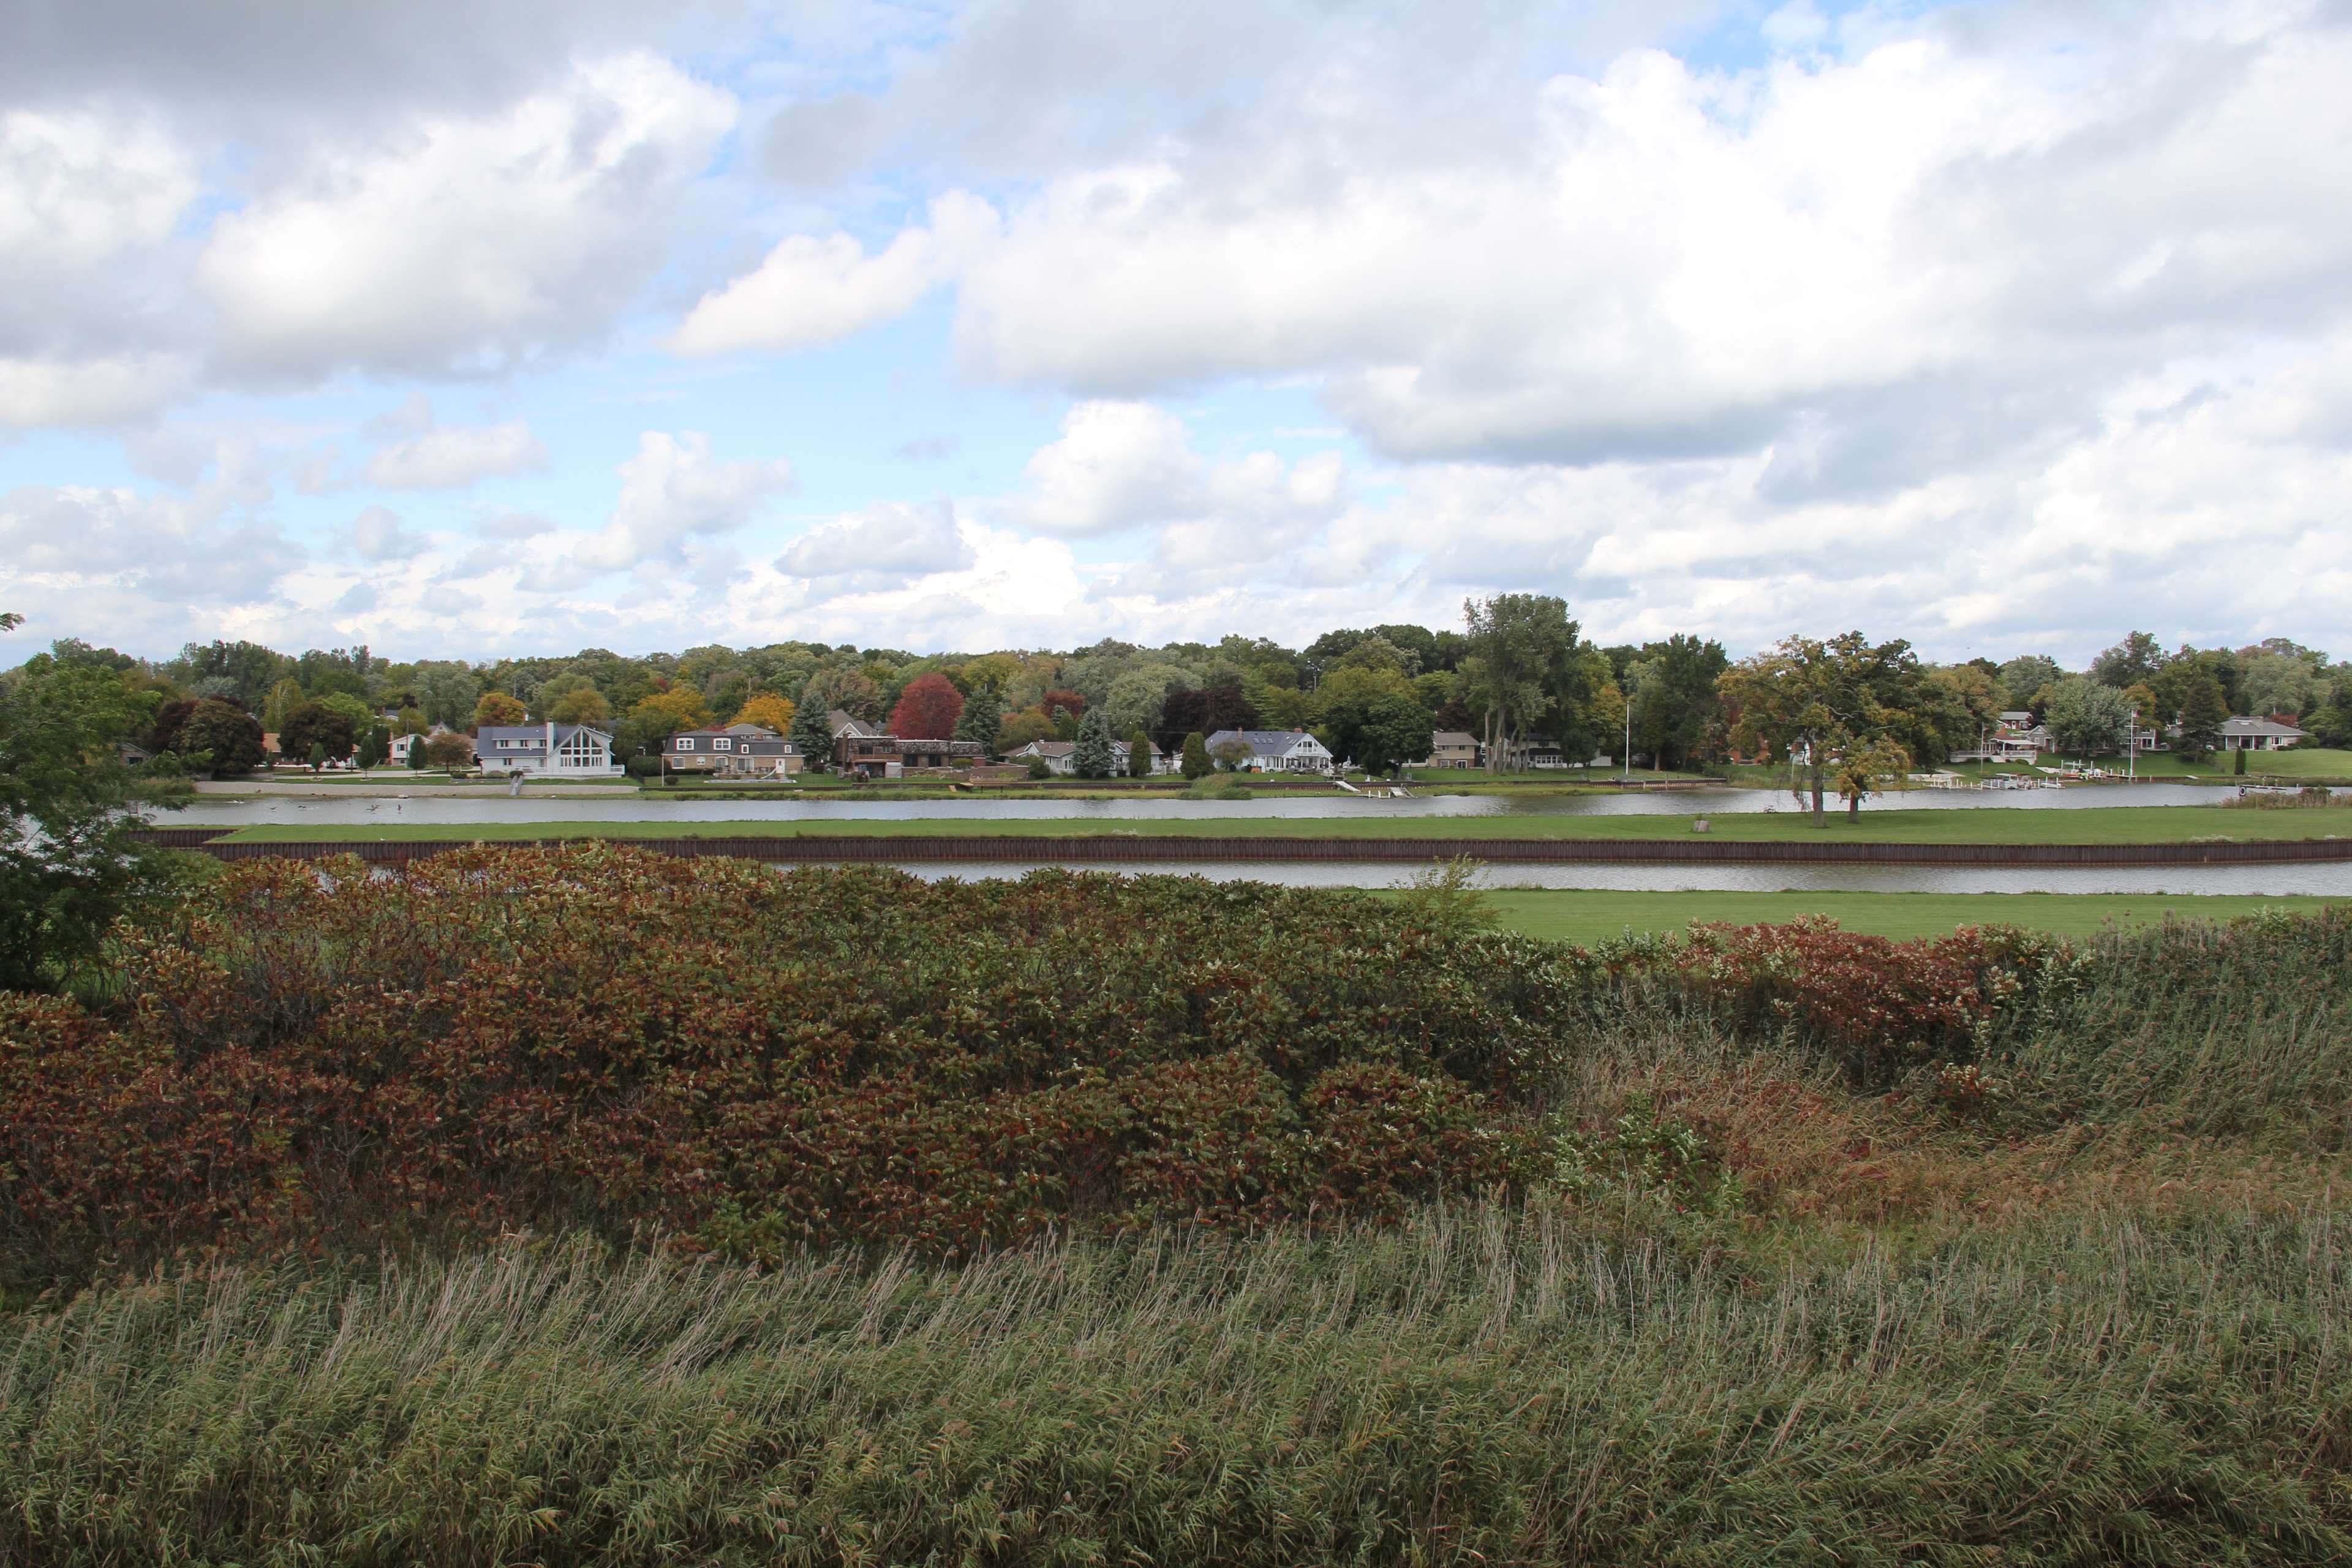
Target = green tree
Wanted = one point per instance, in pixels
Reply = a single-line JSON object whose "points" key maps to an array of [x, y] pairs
{"points": [[811, 736], [1393, 731], [1196, 763], [1139, 754], [2203, 710], [315, 727], [2088, 718], [2022, 676], [1518, 646], [70, 866], [1821, 700], [416, 753], [2135, 661], [1675, 702], [1094, 757], [226, 734], [981, 719]]}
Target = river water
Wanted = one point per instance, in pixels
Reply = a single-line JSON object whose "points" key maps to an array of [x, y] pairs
{"points": [[251, 811]]}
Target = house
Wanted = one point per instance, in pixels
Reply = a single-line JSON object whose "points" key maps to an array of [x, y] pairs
{"points": [[1533, 752], [1452, 749], [858, 747], [842, 723], [1276, 751], [739, 751], [2243, 735], [401, 744], [1062, 757], [568, 750]]}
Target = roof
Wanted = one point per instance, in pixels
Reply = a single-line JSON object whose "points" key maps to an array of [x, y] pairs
{"points": [[1267, 742], [844, 723], [1453, 738], [2016, 716], [2240, 725], [532, 736]]}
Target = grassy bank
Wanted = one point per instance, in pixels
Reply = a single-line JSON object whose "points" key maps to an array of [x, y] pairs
{"points": [[1986, 824], [1477, 1387], [1587, 916]]}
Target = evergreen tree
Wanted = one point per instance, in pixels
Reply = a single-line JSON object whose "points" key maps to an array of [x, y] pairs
{"points": [[1139, 754], [415, 754], [811, 736], [982, 721], [1093, 759], [2203, 710], [318, 755], [1197, 764]]}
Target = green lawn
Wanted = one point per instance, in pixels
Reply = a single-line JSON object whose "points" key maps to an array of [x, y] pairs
{"points": [[1586, 917], [1988, 825]]}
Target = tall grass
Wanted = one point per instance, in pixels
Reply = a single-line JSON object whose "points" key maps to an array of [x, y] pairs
{"points": [[1476, 1386]]}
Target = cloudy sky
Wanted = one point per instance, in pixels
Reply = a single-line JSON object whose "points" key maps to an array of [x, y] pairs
{"points": [[463, 328]]}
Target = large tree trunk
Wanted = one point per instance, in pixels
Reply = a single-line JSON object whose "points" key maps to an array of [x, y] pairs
{"points": [[1819, 819]]}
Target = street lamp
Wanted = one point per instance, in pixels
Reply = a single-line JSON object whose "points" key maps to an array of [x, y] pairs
{"points": [[1625, 763]]}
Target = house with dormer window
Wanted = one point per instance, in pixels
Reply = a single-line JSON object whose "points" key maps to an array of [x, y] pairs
{"points": [[739, 751]]}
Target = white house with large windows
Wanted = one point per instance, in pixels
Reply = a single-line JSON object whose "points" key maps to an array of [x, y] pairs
{"points": [[559, 751], [1276, 751]]}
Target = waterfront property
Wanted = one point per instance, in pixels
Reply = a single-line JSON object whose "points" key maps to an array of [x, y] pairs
{"points": [[1453, 749], [739, 751], [1276, 751], [1062, 757], [570, 750]]}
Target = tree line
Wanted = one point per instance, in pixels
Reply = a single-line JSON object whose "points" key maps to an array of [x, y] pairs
{"points": [[1518, 669]]}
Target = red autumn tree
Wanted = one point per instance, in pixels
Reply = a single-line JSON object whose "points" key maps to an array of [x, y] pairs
{"points": [[927, 709]]}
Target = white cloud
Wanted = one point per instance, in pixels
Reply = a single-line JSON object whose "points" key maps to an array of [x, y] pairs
{"points": [[449, 458], [78, 187], [1117, 464], [1655, 260], [815, 289], [893, 541], [465, 242], [376, 534], [673, 490], [36, 392], [114, 564]]}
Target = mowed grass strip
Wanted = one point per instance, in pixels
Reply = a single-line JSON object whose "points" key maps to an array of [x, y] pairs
{"points": [[1585, 916], [1983, 824]]}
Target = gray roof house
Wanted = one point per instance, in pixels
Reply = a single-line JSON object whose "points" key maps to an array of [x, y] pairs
{"points": [[2243, 735], [739, 751], [567, 751], [1062, 757], [1278, 751]]}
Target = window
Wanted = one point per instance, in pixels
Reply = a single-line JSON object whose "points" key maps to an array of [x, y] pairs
{"points": [[686, 743], [724, 744]]}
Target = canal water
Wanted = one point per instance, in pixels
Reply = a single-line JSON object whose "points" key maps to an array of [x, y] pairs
{"points": [[254, 810]]}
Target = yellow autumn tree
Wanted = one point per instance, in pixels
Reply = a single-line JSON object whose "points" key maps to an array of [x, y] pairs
{"points": [[680, 708], [769, 712]]}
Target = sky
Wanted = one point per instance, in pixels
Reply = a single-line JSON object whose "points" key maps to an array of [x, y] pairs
{"points": [[466, 329]]}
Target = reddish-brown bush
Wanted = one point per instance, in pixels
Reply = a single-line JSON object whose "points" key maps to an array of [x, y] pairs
{"points": [[593, 1035]]}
